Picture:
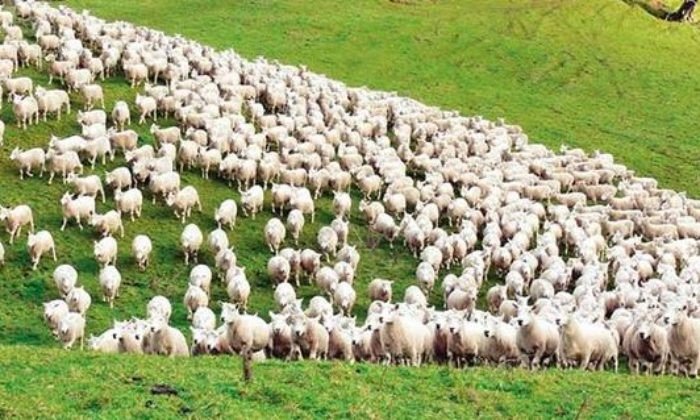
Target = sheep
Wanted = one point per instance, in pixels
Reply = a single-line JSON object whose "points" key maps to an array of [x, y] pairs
{"points": [[68, 144], [159, 306], [54, 311], [18, 86], [119, 178], [309, 337], [342, 204], [121, 115], [385, 226], [587, 343], [28, 160], [38, 244], [183, 201], [204, 318], [404, 339], [105, 251], [92, 94], [495, 296], [82, 207], [302, 201], [247, 334], [107, 342], [295, 224], [70, 329], [65, 277], [147, 107], [281, 337], [64, 163], [79, 300], [15, 219], [462, 299], [278, 269], [226, 214], [217, 241], [90, 185], [195, 297], [371, 210], [684, 341], [191, 240], [327, 280], [380, 289], [344, 297], [201, 276], [165, 135], [413, 295], [275, 233], [349, 255], [123, 140], [110, 279], [52, 101], [75, 79], [252, 200], [237, 287], [136, 73], [129, 202], [501, 346], [25, 109], [342, 230], [88, 118], [168, 183], [166, 340], [141, 248], [646, 344], [466, 342], [537, 339], [327, 240], [310, 262], [284, 295], [108, 223], [98, 147], [425, 276], [339, 339]]}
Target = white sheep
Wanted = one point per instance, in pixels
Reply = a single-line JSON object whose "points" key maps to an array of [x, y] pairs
{"points": [[129, 202], [110, 279], [327, 240], [252, 200], [28, 160], [79, 300], [38, 244], [70, 329], [275, 233], [191, 240], [183, 201], [66, 278], [105, 251], [81, 207], [195, 297], [15, 219], [141, 248]]}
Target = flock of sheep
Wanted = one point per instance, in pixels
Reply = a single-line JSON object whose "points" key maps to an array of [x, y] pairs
{"points": [[594, 261]]}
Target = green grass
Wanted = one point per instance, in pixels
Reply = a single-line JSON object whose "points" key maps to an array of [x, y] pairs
{"points": [[594, 73], [97, 385]]}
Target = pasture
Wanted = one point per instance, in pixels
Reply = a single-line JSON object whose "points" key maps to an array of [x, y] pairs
{"points": [[574, 73]]}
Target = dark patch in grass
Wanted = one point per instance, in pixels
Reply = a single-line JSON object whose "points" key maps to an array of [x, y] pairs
{"points": [[163, 389]]}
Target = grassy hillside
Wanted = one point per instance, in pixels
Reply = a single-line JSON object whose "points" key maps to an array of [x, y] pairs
{"points": [[211, 387], [600, 74]]}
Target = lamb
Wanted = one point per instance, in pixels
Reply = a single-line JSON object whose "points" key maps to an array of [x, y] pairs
{"points": [[92, 117], [52, 101], [327, 240], [218, 241], [278, 269], [275, 233], [284, 295], [110, 279], [327, 280], [344, 297], [108, 223], [226, 214], [25, 109], [342, 230], [54, 311], [129, 202], [92, 93], [119, 178], [123, 140], [141, 248], [18, 86], [105, 342], [90, 185], [310, 262], [65, 277], [75, 79], [201, 276], [166, 340], [70, 329], [82, 207], [501, 344], [537, 340], [15, 219], [587, 343], [121, 115], [147, 107], [247, 334], [190, 241], [79, 300], [237, 287], [380, 289], [646, 344], [309, 337], [183, 201], [414, 296], [28, 160], [295, 224], [159, 306], [136, 73], [204, 318], [195, 297], [404, 338], [252, 200], [105, 251], [302, 201], [165, 184], [38, 244]]}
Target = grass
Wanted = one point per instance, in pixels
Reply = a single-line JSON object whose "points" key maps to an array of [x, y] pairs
{"points": [[212, 387], [594, 73]]}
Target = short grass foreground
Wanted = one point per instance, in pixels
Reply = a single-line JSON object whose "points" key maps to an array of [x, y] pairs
{"points": [[139, 386]]}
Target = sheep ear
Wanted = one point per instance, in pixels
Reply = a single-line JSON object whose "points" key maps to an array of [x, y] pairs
{"points": [[193, 329]]}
